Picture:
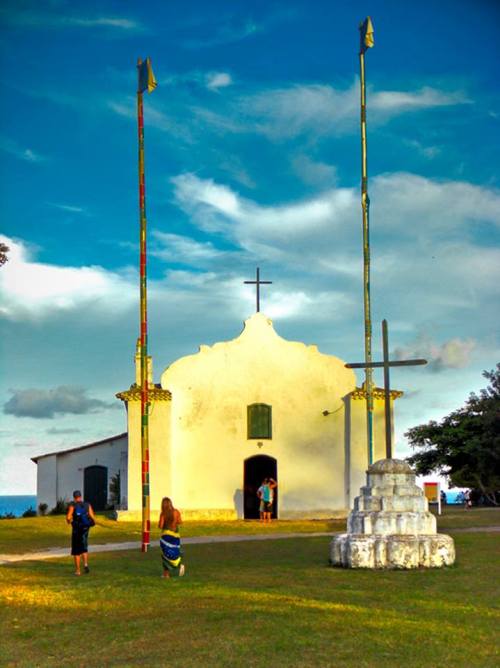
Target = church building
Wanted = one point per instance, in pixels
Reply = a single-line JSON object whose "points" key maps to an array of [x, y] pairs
{"points": [[223, 419]]}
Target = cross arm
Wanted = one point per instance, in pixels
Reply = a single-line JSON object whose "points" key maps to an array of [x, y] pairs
{"points": [[372, 365]]}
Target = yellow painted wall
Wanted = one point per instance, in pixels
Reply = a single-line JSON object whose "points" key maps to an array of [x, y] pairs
{"points": [[210, 394], [159, 447], [159, 454], [198, 441]]}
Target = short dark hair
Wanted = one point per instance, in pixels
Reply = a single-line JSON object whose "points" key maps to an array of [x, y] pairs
{"points": [[76, 493]]}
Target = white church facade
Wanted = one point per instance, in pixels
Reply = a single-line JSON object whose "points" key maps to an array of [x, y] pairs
{"points": [[223, 419]]}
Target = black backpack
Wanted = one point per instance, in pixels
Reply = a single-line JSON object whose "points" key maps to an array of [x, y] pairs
{"points": [[81, 517]]}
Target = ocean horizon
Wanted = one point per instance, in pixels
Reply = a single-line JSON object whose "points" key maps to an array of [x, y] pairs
{"points": [[17, 503]]}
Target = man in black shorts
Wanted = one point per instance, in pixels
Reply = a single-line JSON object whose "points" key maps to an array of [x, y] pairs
{"points": [[81, 516]]}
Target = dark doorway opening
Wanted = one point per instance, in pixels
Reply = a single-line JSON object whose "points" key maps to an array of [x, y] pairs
{"points": [[255, 470], [95, 486]]}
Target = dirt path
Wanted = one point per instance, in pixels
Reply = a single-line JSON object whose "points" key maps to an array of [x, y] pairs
{"points": [[55, 552]]}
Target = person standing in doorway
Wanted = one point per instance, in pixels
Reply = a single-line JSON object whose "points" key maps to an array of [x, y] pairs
{"points": [[266, 496], [81, 517], [170, 541]]}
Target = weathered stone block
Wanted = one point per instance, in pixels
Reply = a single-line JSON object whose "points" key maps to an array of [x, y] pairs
{"points": [[390, 526]]}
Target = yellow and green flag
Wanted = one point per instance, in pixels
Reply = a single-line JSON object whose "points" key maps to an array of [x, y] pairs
{"points": [[366, 34], [147, 79]]}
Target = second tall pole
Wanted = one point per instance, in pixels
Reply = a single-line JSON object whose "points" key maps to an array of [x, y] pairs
{"points": [[366, 41], [146, 525]]}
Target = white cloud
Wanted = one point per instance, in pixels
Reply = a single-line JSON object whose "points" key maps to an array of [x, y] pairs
{"points": [[453, 354], [314, 173], [429, 152], [26, 154], [153, 117], [279, 114], [225, 33], [426, 264], [212, 80], [179, 248], [46, 404], [424, 98], [68, 207], [402, 200], [216, 80], [105, 21], [320, 109], [34, 289], [217, 208], [17, 475], [59, 20], [31, 156], [404, 205]]}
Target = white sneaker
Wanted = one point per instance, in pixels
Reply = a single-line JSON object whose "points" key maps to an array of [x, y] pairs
{"points": [[182, 570]]}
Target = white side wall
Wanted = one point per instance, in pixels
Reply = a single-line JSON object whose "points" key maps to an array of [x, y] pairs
{"points": [[60, 474], [46, 481]]}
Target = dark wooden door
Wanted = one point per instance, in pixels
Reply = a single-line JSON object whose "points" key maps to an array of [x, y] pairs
{"points": [[255, 470], [95, 486]]}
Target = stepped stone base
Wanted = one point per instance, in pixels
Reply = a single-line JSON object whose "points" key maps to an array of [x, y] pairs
{"points": [[390, 525], [393, 551]]}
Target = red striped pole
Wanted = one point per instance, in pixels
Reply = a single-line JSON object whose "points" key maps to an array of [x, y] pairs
{"points": [[146, 526]]}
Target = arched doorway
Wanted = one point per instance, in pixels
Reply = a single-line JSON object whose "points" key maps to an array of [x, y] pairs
{"points": [[95, 486], [255, 470]]}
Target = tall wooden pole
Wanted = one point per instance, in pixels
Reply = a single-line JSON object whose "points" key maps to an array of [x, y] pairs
{"points": [[146, 526], [365, 205], [387, 391]]}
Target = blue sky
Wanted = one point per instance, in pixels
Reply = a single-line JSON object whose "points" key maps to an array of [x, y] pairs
{"points": [[252, 154]]}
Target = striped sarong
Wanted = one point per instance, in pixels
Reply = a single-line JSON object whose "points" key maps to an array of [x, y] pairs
{"points": [[171, 555]]}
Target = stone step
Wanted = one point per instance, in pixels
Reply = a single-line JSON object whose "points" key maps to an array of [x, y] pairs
{"points": [[391, 490], [394, 478], [386, 522], [394, 503]]}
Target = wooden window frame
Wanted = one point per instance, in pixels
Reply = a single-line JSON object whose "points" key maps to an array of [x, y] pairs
{"points": [[269, 430]]}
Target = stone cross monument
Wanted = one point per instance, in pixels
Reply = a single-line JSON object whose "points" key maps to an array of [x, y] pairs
{"points": [[390, 525]]}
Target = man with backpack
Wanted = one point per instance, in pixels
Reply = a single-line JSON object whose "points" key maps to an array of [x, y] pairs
{"points": [[81, 517]]}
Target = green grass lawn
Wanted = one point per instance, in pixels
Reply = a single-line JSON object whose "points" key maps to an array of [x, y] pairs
{"points": [[457, 517], [251, 604], [37, 533]]}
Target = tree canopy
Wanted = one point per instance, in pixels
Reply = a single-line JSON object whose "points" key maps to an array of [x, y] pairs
{"points": [[4, 249], [464, 445]]}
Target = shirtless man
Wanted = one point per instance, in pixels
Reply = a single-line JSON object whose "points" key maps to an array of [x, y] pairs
{"points": [[266, 496]]}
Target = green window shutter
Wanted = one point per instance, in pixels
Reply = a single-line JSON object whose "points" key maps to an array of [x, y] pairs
{"points": [[259, 421]]}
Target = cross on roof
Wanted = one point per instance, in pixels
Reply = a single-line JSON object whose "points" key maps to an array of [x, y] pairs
{"points": [[258, 283], [387, 397]]}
